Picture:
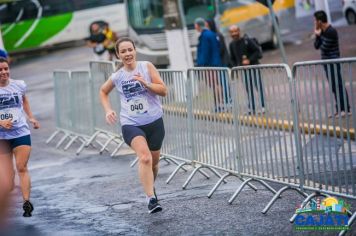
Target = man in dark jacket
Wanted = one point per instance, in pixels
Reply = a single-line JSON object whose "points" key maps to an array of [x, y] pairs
{"points": [[208, 51], [244, 51], [328, 42], [208, 55]]}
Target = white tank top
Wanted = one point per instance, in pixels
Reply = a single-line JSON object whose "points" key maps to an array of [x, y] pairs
{"points": [[139, 106], [11, 106]]}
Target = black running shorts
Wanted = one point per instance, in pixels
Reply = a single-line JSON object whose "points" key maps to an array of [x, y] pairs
{"points": [[153, 132]]}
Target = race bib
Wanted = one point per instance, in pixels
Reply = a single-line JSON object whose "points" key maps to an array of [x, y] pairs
{"points": [[9, 114], [138, 106]]}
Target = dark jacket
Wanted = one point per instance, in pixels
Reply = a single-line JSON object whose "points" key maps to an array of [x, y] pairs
{"points": [[328, 43], [224, 54], [243, 46], [208, 49]]}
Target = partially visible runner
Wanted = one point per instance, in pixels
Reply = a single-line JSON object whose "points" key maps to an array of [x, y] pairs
{"points": [[15, 139], [138, 83]]}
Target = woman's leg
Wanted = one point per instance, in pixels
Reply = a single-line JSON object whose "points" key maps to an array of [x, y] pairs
{"points": [[155, 162], [6, 178], [22, 155], [139, 145]]}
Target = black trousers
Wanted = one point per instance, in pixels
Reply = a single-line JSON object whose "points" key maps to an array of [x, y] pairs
{"points": [[333, 74], [252, 79]]}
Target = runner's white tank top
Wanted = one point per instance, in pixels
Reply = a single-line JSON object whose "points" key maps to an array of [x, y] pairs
{"points": [[11, 107], [139, 106]]}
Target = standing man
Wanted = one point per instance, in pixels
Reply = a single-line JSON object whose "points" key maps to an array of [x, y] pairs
{"points": [[244, 51], [208, 55], [327, 41]]}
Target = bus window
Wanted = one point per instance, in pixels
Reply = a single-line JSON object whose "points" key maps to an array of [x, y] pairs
{"points": [[56, 7], [198, 8], [85, 4], [145, 14]]}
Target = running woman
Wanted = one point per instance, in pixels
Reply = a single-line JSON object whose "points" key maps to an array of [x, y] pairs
{"points": [[139, 85], [15, 135]]}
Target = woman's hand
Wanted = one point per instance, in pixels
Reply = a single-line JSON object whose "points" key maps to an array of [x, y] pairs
{"points": [[140, 79], [111, 117], [34, 122], [6, 124]]}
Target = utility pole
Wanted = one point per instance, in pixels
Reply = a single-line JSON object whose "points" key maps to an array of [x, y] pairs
{"points": [[180, 55], [269, 3]]}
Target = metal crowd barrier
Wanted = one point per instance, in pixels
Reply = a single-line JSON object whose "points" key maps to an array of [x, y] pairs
{"points": [[79, 114], [100, 72], [326, 94], [62, 79], [261, 123]]}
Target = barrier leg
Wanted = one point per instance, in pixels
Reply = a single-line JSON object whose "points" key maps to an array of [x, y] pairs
{"points": [[351, 221], [216, 173], [62, 140], [134, 162], [305, 202], [72, 140], [175, 162], [239, 190], [218, 184], [192, 175], [249, 184], [92, 138], [52, 136], [278, 194], [106, 144], [164, 159], [175, 172], [117, 148], [266, 185]]}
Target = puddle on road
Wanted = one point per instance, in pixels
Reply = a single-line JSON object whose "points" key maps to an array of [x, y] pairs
{"points": [[121, 207]]}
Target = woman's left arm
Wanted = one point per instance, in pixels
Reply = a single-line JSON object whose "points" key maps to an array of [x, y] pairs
{"points": [[157, 85], [27, 109]]}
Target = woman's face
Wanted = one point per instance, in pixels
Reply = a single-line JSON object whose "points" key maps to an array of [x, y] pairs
{"points": [[4, 73], [127, 53]]}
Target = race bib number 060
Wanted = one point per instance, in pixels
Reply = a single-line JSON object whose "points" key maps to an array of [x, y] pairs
{"points": [[138, 107]]}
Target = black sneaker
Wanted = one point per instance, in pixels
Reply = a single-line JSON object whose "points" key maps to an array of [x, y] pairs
{"points": [[28, 208], [154, 206]]}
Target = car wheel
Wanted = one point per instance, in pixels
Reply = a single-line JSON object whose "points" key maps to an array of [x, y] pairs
{"points": [[351, 17]]}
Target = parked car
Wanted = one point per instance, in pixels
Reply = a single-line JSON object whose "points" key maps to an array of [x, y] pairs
{"points": [[349, 10]]}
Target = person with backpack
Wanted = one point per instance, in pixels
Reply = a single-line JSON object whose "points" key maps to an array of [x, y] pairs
{"points": [[246, 51]]}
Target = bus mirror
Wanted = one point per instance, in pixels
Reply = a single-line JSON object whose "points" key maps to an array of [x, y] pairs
{"points": [[171, 15]]}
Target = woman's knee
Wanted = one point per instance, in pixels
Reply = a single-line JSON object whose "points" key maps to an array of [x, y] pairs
{"points": [[145, 158], [21, 168]]}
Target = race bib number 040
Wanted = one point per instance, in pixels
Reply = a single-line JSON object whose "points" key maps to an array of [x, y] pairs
{"points": [[138, 106], [9, 114]]}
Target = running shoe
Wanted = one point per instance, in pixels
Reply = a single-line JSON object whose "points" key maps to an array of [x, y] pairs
{"points": [[154, 206], [28, 208]]}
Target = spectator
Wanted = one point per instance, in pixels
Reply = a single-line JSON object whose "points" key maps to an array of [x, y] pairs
{"points": [[244, 51], [225, 60], [208, 55], [96, 41], [328, 42], [110, 41]]}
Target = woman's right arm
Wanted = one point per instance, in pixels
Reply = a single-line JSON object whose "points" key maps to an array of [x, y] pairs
{"points": [[104, 92]]}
